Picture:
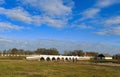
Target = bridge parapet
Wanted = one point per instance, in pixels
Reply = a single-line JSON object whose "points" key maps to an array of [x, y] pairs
{"points": [[51, 57], [59, 57]]}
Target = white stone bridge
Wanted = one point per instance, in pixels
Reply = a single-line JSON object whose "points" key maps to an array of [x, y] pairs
{"points": [[56, 57]]}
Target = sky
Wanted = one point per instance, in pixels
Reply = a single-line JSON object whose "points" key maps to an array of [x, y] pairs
{"points": [[89, 25]]}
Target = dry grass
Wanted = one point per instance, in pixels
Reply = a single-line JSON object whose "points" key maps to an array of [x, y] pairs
{"points": [[51, 69]]}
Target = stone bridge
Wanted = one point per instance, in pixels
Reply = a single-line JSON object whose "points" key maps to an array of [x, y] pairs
{"points": [[52, 57]]}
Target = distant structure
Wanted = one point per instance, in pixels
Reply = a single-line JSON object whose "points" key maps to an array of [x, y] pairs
{"points": [[51, 57], [104, 56], [57, 58]]}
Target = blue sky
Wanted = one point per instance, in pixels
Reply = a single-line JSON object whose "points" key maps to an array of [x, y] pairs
{"points": [[91, 25]]}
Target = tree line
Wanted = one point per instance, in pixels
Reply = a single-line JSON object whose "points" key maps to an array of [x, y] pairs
{"points": [[117, 57], [52, 51], [44, 51], [80, 53]]}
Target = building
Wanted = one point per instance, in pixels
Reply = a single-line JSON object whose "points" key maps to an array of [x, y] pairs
{"points": [[104, 56]]}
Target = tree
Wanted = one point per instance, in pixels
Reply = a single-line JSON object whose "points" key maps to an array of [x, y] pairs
{"points": [[74, 53], [53, 51], [43, 51], [94, 54], [65, 53], [40, 51], [21, 52], [78, 53], [117, 56], [14, 51], [28, 52]]}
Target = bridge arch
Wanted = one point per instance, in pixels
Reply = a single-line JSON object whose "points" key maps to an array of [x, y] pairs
{"points": [[53, 58], [62, 58], [66, 59], [48, 59], [58, 58], [42, 59], [69, 58]]}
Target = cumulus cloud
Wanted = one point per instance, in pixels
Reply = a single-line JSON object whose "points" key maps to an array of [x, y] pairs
{"points": [[50, 8], [55, 13], [16, 14], [19, 14], [9, 26]]}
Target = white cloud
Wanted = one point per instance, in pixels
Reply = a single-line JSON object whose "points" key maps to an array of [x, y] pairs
{"points": [[108, 26], [55, 13], [9, 26], [111, 26], [54, 22], [83, 26], [90, 13], [106, 3], [112, 21], [17, 14], [39, 20], [110, 31], [2, 2], [100, 4], [50, 7]]}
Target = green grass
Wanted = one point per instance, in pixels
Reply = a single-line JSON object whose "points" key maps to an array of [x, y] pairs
{"points": [[12, 57], [51, 69], [105, 61]]}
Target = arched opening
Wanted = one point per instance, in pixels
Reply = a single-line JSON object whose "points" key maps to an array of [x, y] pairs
{"points": [[62, 58], [47, 59], [69, 58], [58, 59], [66, 59], [53, 58], [42, 59]]}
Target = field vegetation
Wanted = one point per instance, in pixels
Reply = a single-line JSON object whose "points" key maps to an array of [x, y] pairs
{"points": [[23, 68]]}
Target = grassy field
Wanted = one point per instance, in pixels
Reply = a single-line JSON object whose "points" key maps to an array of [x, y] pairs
{"points": [[51, 69], [12, 57]]}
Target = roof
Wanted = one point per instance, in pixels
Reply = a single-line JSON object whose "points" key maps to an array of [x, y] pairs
{"points": [[104, 55], [88, 54], [101, 55]]}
